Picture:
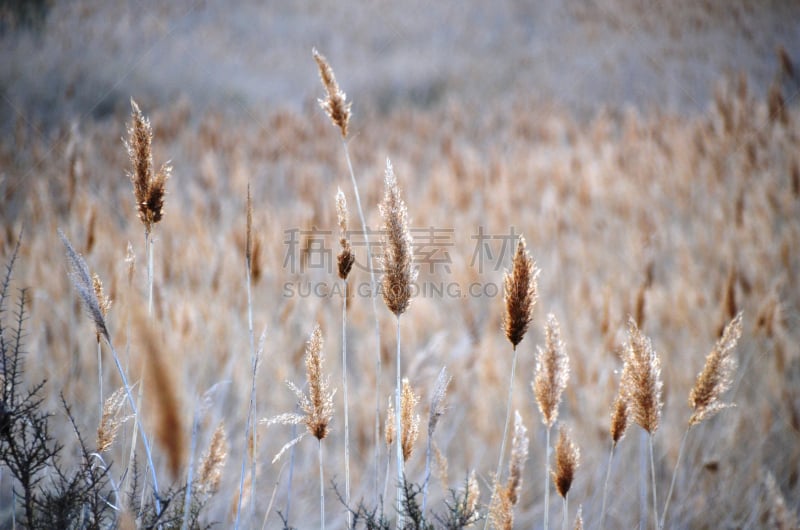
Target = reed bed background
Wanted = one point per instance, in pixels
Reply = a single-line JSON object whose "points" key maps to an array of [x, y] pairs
{"points": [[678, 220]]}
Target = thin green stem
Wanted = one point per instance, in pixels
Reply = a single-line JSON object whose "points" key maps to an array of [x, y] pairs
{"points": [[605, 487], [674, 476], [373, 294], [653, 480], [508, 420], [346, 411]]}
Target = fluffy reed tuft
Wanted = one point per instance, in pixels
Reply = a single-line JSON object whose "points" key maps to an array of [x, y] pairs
{"points": [[210, 472], [567, 461], [110, 421], [318, 403], [520, 294], [103, 300], [471, 499], [552, 372], [620, 417], [397, 252], [717, 375], [346, 258], [149, 186], [409, 419], [335, 102], [641, 376]]}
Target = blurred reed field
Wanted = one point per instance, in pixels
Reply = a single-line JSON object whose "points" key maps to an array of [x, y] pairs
{"points": [[658, 273]]}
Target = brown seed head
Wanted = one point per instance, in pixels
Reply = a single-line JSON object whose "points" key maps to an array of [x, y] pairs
{"points": [[103, 301], [641, 379], [567, 461], [520, 294], [318, 403], [409, 419], [620, 419], [717, 375], [335, 102], [501, 509], [149, 187], [552, 372], [398, 273], [346, 257]]}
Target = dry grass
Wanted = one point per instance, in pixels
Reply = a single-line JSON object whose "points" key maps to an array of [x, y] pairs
{"points": [[697, 196]]}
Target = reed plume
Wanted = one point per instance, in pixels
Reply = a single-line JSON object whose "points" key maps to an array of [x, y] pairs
{"points": [[712, 382], [567, 461], [110, 421], [549, 382], [641, 378], [346, 258], [212, 462], [335, 102], [520, 295], [620, 420], [398, 277], [409, 419], [437, 409], [506, 496], [105, 304]]}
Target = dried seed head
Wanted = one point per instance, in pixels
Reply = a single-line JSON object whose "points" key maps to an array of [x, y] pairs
{"points": [[567, 461], [149, 187], [717, 375], [409, 419], [437, 400], [520, 294], [398, 273], [104, 302], [501, 509], [213, 461], [388, 429], [346, 257], [335, 102], [318, 403], [620, 419], [641, 379], [519, 454], [552, 372], [110, 420]]}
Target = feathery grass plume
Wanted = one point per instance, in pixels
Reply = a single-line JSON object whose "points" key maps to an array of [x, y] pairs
{"points": [[335, 103], [472, 497], [641, 375], [567, 461], [346, 258], [212, 462], [641, 378], [712, 382], [149, 186], [717, 375], [105, 304], [436, 411], [409, 419], [505, 497], [549, 382], [399, 275], [520, 289], [520, 295], [552, 372], [110, 421]]}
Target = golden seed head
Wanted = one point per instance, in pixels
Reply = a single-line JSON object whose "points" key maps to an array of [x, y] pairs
{"points": [[149, 187], [409, 419], [552, 372], [318, 403], [110, 420], [717, 375], [641, 379], [520, 291], [567, 461], [210, 473], [335, 102], [620, 419], [398, 273]]}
